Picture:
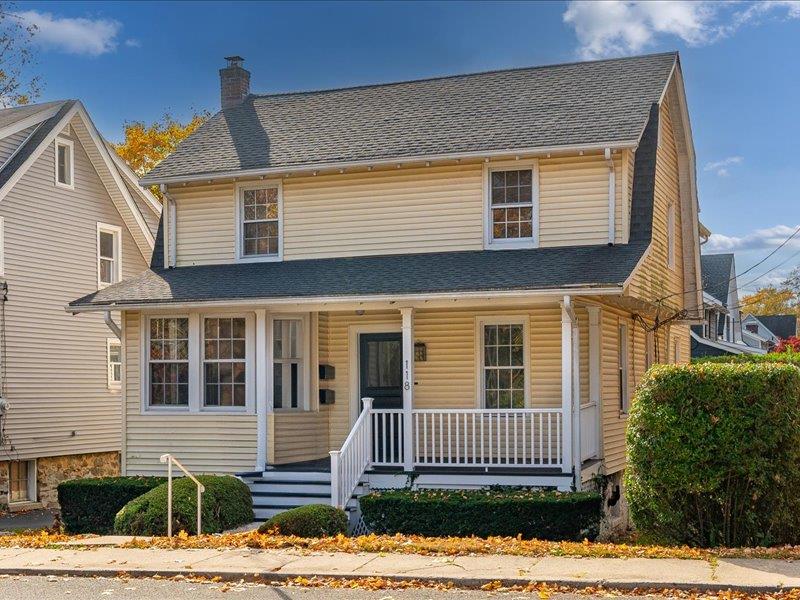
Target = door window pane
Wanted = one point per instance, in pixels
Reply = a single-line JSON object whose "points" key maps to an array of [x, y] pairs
{"points": [[288, 370], [385, 360]]}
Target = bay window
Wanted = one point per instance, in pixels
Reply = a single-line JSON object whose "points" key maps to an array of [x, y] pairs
{"points": [[224, 361], [168, 357]]}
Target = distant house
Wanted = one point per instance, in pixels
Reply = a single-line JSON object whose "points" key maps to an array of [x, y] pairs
{"points": [[73, 220], [769, 328], [721, 332]]}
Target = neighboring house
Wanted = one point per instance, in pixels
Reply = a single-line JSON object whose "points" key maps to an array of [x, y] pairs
{"points": [[721, 332], [72, 220], [479, 254], [769, 329]]}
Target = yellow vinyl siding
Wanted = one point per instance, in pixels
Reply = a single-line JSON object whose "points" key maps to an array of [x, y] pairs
{"points": [[204, 442], [391, 211], [653, 279], [56, 363], [299, 436]]}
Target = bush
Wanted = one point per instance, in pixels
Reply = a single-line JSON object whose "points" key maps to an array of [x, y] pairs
{"points": [[545, 515], [714, 454], [226, 504], [313, 520], [90, 505], [792, 358]]}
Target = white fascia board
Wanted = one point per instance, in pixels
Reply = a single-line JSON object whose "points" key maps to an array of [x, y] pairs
{"points": [[29, 121], [710, 300], [340, 300], [134, 180], [727, 346], [115, 174], [309, 167]]}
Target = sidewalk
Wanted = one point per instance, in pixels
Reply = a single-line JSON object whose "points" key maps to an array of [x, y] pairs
{"points": [[748, 575]]}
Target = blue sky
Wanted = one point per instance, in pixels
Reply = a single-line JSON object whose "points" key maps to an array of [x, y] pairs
{"points": [[136, 61]]}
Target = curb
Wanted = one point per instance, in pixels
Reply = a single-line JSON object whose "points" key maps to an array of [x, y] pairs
{"points": [[458, 583]]}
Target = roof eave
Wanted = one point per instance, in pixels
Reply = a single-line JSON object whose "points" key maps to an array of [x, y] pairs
{"points": [[418, 158]]}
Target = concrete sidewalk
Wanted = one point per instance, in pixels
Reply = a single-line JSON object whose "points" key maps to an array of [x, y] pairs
{"points": [[749, 575]]}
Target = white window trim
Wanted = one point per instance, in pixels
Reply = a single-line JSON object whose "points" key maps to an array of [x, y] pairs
{"points": [[304, 403], [510, 319], [113, 385], [116, 231], [69, 144], [514, 165], [32, 484], [195, 405], [623, 364], [249, 364], [239, 188], [671, 235]]}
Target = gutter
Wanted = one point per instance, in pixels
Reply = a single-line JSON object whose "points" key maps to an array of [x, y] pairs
{"points": [[115, 329], [335, 300], [422, 158]]}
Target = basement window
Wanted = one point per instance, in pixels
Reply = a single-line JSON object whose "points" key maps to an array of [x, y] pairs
{"points": [[65, 168]]}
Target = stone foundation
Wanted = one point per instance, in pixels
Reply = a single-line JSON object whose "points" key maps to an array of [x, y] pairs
{"points": [[52, 470], [616, 516]]}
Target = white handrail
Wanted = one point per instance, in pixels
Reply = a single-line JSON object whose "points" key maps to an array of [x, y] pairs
{"points": [[169, 459], [349, 463]]}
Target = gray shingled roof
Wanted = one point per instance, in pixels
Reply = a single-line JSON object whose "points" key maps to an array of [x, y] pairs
{"points": [[438, 272], [565, 105], [9, 116], [784, 326], [716, 275]]}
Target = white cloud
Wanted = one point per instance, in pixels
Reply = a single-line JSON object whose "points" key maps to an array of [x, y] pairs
{"points": [[133, 43], [618, 27], [721, 167], [759, 239], [91, 37]]}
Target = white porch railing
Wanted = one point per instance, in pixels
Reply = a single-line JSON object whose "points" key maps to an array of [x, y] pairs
{"points": [[528, 437], [170, 460], [349, 463]]}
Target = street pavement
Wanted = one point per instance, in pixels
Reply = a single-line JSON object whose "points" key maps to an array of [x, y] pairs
{"points": [[60, 588]]}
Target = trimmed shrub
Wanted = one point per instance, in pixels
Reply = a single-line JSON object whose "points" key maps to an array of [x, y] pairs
{"points": [[313, 520], [226, 504], [90, 505], [791, 358], [546, 515], [714, 454]]}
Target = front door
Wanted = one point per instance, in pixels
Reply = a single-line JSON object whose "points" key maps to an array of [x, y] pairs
{"points": [[381, 378]]}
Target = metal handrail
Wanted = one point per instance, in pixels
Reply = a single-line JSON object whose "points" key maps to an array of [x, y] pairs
{"points": [[169, 459]]}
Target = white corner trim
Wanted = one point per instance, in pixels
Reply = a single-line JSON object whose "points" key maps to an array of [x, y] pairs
{"points": [[66, 143], [126, 171], [238, 220]]}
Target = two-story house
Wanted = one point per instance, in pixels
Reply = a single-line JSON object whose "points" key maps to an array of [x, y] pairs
{"points": [[766, 331], [462, 278], [73, 219]]}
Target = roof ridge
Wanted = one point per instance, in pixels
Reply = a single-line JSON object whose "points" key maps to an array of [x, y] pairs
{"points": [[673, 53]]}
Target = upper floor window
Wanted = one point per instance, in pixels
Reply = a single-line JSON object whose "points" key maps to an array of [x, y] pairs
{"points": [[752, 328], [671, 236], [512, 205], [259, 222], [109, 250], [65, 169]]}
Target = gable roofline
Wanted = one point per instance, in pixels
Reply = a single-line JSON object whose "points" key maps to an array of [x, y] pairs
{"points": [[47, 132], [34, 119], [405, 160], [128, 174]]}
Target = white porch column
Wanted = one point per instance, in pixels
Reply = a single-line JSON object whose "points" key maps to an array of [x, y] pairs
{"points": [[577, 437], [408, 385], [567, 317], [595, 373], [261, 389]]}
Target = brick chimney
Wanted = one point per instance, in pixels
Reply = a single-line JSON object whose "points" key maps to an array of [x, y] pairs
{"points": [[234, 82]]}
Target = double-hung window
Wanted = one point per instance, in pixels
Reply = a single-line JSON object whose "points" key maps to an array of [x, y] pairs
{"points": [[512, 206], [65, 169], [224, 361], [109, 250], [289, 363], [168, 358], [259, 222], [114, 357], [504, 364]]}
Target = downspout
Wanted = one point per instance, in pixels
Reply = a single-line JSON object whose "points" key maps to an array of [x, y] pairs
{"points": [[170, 218], [612, 197], [115, 329]]}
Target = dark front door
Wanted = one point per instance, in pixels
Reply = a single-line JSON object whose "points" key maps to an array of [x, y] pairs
{"points": [[381, 376]]}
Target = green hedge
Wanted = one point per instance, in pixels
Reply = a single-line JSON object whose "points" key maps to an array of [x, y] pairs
{"points": [[714, 454], [792, 358], [314, 520], [545, 515], [226, 504], [90, 505]]}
